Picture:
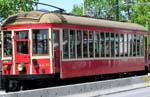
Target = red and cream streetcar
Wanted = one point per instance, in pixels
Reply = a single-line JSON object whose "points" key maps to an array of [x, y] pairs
{"points": [[40, 45]]}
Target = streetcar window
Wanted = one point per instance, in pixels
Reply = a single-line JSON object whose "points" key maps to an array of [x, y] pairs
{"points": [[7, 43], [65, 44], [107, 39], [22, 47], [0, 42], [145, 46], [72, 43], [91, 43], [134, 45], [40, 41], [55, 39], [138, 45], [97, 44], [121, 49], [79, 44], [85, 44], [142, 45], [102, 42], [130, 44], [112, 38], [125, 45], [117, 45], [22, 35]]}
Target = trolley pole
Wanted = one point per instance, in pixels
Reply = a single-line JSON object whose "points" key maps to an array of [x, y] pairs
{"points": [[117, 10]]}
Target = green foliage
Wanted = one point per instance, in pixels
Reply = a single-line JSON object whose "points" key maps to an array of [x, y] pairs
{"points": [[100, 8], [136, 11], [77, 10], [8, 7], [141, 13]]}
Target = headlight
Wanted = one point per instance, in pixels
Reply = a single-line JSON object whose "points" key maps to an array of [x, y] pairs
{"points": [[20, 67]]}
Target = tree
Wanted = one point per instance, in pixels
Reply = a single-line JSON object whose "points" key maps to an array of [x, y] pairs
{"points": [[141, 13], [98, 8], [136, 11], [9, 7], [77, 10]]}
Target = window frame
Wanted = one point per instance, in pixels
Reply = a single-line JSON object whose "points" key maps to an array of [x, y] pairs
{"points": [[2, 45], [117, 43], [48, 42], [64, 30]]}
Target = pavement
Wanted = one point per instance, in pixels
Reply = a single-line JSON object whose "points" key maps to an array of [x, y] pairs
{"points": [[142, 92], [2, 92]]}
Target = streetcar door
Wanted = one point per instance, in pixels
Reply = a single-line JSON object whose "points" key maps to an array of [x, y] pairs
{"points": [[56, 47], [21, 47]]}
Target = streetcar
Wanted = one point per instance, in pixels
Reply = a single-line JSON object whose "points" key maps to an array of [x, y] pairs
{"points": [[43, 46]]}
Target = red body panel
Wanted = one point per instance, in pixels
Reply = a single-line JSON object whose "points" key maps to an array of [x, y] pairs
{"points": [[5, 70], [99, 67], [41, 66]]}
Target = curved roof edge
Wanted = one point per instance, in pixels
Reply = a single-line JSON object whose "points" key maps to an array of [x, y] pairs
{"points": [[34, 17]]}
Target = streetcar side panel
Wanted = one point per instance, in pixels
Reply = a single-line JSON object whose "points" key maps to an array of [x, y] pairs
{"points": [[76, 68], [87, 52]]}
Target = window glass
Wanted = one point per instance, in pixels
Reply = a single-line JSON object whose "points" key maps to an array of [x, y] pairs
{"points": [[142, 45], [91, 45], [79, 44], [117, 45], [22, 35], [0, 42], [72, 43], [138, 45], [107, 39], [125, 44], [22, 47], [55, 39], [65, 44], [121, 44], [97, 44], [129, 38], [40, 41], [7, 43], [85, 44], [134, 45], [102, 42], [130, 44], [112, 38]]}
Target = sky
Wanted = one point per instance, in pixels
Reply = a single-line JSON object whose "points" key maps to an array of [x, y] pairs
{"points": [[64, 4]]}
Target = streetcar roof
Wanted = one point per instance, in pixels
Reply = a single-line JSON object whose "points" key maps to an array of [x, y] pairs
{"points": [[34, 17]]}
